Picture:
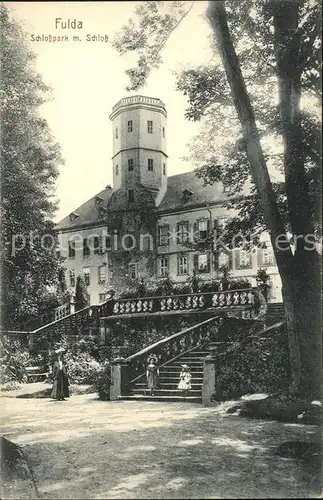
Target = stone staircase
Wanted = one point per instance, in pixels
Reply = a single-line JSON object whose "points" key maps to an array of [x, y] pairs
{"points": [[275, 313], [169, 379]]}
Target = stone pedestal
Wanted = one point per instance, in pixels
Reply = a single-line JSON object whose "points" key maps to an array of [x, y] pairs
{"points": [[118, 377], [208, 388]]}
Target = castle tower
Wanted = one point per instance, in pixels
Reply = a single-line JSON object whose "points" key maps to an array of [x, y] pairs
{"points": [[139, 144]]}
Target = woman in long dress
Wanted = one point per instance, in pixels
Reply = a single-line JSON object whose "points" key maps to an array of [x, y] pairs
{"points": [[60, 389], [152, 374]]}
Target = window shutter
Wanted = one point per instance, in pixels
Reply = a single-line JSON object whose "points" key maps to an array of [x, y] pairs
{"points": [[177, 233], [196, 234], [236, 252], [178, 259], [215, 262], [196, 262], [230, 263], [260, 257], [208, 262], [208, 226]]}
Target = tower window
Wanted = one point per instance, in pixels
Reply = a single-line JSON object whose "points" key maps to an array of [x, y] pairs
{"points": [[149, 127], [163, 131], [131, 195], [130, 126], [117, 170], [130, 164], [150, 164], [164, 168], [117, 133]]}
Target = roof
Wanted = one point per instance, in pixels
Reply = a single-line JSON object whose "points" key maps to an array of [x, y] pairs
{"points": [[197, 193], [93, 212]]}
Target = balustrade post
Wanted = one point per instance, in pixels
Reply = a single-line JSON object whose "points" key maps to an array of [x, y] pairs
{"points": [[103, 331], [72, 305], [118, 378], [208, 388]]}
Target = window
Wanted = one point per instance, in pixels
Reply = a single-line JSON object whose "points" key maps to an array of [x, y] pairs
{"points": [[86, 274], [149, 127], [182, 232], [117, 169], [203, 229], [72, 277], [268, 257], [130, 126], [224, 259], [164, 168], [162, 267], [102, 297], [107, 243], [71, 249], [130, 164], [163, 235], [96, 245], [131, 195], [202, 263], [133, 271], [117, 133], [58, 254], [102, 274], [182, 265], [86, 248], [163, 131], [150, 164], [243, 259]]}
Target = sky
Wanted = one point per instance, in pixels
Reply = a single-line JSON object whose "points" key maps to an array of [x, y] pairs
{"points": [[88, 78]]}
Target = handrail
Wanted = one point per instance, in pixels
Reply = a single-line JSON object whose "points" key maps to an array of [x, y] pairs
{"points": [[53, 323], [151, 297], [171, 337]]}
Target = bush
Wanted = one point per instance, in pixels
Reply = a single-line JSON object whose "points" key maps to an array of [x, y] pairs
{"points": [[258, 366], [103, 381], [82, 368], [14, 358]]}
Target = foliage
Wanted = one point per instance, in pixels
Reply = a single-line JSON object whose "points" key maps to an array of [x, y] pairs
{"points": [[262, 276], [30, 160], [81, 295], [103, 381], [14, 358], [82, 368], [258, 366]]}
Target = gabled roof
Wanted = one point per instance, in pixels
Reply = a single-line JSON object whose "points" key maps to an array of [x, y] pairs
{"points": [[199, 195]]}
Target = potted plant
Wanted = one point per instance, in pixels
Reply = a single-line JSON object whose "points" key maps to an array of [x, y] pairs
{"points": [[262, 279]]}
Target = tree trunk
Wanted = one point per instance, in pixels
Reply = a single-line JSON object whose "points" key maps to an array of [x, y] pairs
{"points": [[299, 284]]}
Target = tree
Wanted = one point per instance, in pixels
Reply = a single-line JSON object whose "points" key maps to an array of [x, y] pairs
{"points": [[81, 295], [30, 160], [273, 42]]}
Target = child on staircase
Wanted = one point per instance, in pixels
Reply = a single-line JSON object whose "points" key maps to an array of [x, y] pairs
{"points": [[185, 380]]}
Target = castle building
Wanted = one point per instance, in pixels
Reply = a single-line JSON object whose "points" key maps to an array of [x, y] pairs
{"points": [[145, 225]]}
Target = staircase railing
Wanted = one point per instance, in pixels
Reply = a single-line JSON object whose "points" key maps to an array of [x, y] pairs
{"points": [[72, 325], [198, 301], [168, 348]]}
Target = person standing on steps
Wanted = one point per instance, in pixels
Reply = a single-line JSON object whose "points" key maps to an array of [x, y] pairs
{"points": [[152, 374], [60, 389], [185, 380]]}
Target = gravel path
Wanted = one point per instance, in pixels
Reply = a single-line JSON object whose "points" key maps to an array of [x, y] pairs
{"points": [[86, 448]]}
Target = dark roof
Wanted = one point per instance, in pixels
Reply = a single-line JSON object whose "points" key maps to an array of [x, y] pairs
{"points": [[196, 195]]}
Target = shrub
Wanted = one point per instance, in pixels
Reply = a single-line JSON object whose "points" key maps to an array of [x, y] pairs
{"points": [[103, 381], [258, 366], [14, 358], [82, 368]]}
